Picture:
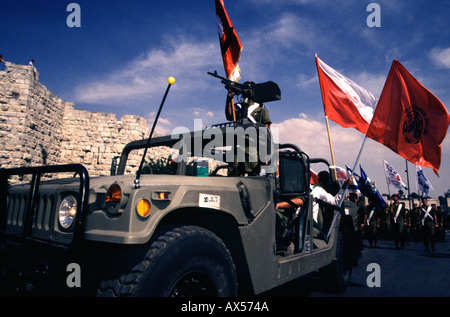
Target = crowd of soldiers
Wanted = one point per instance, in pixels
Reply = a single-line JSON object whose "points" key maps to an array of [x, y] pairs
{"points": [[423, 222]]}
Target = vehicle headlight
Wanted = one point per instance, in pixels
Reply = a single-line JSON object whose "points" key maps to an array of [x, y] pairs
{"points": [[115, 199], [114, 194], [67, 211]]}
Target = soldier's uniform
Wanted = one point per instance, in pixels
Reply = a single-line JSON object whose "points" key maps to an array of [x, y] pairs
{"points": [[416, 224], [385, 223], [256, 114], [428, 215], [371, 223], [361, 215], [398, 218], [440, 234]]}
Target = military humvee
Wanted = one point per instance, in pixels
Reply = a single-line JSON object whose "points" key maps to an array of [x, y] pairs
{"points": [[170, 235]]}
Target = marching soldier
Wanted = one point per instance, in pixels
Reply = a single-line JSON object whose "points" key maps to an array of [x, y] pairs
{"points": [[429, 223], [399, 222], [416, 223], [371, 224], [408, 226], [440, 234], [385, 223], [361, 213]]}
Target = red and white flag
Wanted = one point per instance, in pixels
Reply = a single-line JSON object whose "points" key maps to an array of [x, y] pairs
{"points": [[409, 119], [230, 45], [344, 101]]}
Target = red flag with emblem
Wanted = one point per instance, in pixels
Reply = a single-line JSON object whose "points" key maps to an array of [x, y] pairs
{"points": [[409, 119], [230, 45]]}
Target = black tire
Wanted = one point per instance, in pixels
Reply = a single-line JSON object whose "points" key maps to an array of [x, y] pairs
{"points": [[186, 261], [337, 275]]}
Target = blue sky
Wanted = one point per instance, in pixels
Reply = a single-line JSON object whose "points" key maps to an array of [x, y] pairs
{"points": [[120, 58]]}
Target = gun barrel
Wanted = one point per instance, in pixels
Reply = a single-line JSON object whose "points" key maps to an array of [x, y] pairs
{"points": [[264, 92], [229, 84], [217, 76]]}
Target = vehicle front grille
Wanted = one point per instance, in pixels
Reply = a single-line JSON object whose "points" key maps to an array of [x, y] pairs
{"points": [[43, 218], [40, 222]]}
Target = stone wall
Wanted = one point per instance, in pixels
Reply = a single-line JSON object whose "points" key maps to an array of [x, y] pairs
{"points": [[95, 138], [38, 128]]}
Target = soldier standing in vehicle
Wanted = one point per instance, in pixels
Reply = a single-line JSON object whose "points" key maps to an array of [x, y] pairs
{"points": [[255, 113], [247, 109], [429, 222], [398, 215]]}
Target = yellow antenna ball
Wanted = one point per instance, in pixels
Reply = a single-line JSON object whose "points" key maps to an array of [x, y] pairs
{"points": [[171, 80]]}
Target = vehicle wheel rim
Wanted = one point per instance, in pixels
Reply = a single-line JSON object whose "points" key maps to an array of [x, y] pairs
{"points": [[193, 284]]}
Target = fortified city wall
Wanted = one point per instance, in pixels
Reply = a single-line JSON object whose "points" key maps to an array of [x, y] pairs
{"points": [[38, 128]]}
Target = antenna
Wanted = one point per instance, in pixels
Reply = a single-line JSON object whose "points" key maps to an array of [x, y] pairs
{"points": [[171, 81]]}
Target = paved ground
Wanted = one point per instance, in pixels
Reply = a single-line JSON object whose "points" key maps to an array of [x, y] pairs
{"points": [[410, 272]]}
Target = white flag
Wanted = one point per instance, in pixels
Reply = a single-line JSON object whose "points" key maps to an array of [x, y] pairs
{"points": [[392, 177], [422, 183]]}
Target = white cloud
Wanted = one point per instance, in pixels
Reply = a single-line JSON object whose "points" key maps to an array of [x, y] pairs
{"points": [[440, 56], [163, 127], [312, 137], [265, 48], [200, 112], [289, 30], [148, 74], [304, 81]]}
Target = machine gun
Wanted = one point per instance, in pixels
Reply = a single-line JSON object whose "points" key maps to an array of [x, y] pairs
{"points": [[264, 92]]}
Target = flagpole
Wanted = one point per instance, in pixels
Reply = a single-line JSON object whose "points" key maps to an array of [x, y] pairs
{"points": [[407, 180], [387, 182], [233, 109], [354, 167], [417, 184], [331, 147]]}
